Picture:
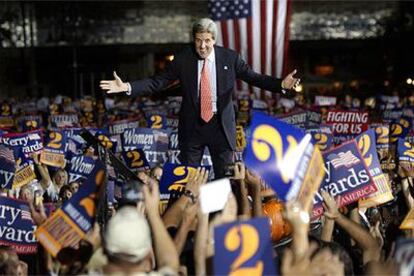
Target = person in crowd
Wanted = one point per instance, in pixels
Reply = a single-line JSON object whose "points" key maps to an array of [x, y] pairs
{"points": [[207, 74]]}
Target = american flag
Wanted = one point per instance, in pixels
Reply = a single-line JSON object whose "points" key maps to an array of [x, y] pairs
{"points": [[346, 159], [258, 30], [7, 154], [26, 215]]}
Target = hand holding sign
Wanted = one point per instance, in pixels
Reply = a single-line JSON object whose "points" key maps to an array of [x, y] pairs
{"points": [[330, 205]]}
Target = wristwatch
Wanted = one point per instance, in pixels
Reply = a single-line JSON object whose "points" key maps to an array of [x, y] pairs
{"points": [[190, 194]]}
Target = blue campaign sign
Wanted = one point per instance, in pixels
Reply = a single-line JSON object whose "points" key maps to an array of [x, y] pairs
{"points": [[30, 142], [244, 248], [135, 160], [80, 167], [279, 153], [346, 176], [7, 166], [173, 179], [55, 149], [29, 122], [405, 151], [80, 208], [321, 137], [16, 226], [154, 142], [366, 144], [156, 121], [399, 129]]}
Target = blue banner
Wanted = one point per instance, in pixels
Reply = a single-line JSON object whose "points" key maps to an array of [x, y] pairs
{"points": [[30, 142], [80, 167], [173, 180], [54, 151], [367, 147], [244, 248], [346, 176], [7, 167], [321, 137], [154, 142], [29, 122], [16, 226], [64, 120], [303, 119], [156, 121], [279, 153], [135, 160]]}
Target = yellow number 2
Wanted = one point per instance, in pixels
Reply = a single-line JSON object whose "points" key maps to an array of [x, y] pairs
{"points": [[55, 140], [246, 239], [156, 121], [363, 144], [136, 159], [267, 139]]}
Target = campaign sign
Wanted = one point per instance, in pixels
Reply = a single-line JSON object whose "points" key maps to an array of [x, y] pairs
{"points": [[399, 129], [382, 135], [405, 151], [135, 160], [404, 256], [16, 226], [346, 176], [29, 122], [81, 167], [69, 224], [240, 138], [6, 122], [53, 153], [243, 248], [321, 137], [325, 101], [347, 122], [118, 127], [154, 142], [408, 221], [24, 171], [30, 142], [156, 121], [173, 180], [284, 156], [303, 119], [7, 167], [366, 145], [391, 115], [64, 120], [172, 123]]}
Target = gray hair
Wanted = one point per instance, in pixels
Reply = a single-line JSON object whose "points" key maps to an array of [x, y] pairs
{"points": [[205, 25]]}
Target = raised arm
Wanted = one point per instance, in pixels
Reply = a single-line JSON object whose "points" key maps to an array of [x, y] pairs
{"points": [[165, 252], [370, 247]]}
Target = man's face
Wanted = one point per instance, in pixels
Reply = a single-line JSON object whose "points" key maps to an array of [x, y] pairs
{"points": [[204, 43]]}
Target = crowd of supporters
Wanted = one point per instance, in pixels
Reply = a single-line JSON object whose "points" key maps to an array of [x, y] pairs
{"points": [[168, 237]]}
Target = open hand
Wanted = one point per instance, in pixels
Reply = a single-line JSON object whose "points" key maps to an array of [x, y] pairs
{"points": [[113, 86], [290, 82]]}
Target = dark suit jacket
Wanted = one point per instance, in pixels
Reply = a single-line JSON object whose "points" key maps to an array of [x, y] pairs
{"points": [[229, 65]]}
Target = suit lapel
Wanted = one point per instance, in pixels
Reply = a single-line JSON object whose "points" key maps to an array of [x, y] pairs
{"points": [[220, 75], [193, 67]]}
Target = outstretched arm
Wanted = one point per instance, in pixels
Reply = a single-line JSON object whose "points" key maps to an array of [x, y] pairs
{"points": [[245, 73]]}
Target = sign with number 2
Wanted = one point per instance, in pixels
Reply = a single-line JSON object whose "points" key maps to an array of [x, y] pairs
{"points": [[244, 248]]}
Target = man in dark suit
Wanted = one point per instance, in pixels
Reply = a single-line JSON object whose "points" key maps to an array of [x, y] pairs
{"points": [[207, 74]]}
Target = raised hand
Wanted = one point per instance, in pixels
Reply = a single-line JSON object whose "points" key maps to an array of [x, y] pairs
{"points": [[290, 82], [113, 86], [330, 205]]}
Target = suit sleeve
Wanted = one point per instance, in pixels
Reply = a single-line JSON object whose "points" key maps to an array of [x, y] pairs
{"points": [[245, 73], [155, 83]]}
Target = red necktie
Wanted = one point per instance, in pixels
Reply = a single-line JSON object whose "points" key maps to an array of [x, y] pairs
{"points": [[205, 94]]}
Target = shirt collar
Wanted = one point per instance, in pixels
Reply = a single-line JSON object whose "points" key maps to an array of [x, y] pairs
{"points": [[212, 57]]}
